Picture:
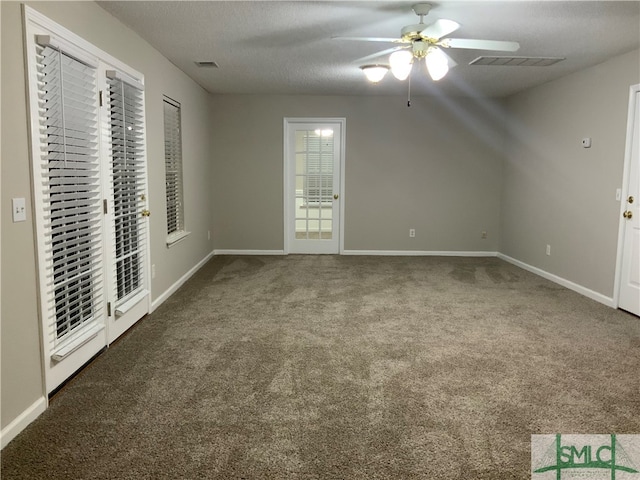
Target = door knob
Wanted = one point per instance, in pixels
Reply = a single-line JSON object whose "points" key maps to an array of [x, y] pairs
{"points": [[630, 199], [628, 214], [335, 196], [146, 213]]}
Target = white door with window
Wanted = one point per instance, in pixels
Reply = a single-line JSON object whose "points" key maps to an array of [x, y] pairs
{"points": [[629, 296], [127, 198], [89, 180], [314, 153]]}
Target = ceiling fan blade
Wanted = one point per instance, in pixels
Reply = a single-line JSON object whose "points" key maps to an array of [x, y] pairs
{"points": [[369, 39], [474, 44], [378, 54], [450, 61], [440, 28]]}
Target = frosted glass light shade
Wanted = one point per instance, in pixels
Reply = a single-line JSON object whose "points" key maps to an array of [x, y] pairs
{"points": [[401, 63], [437, 64], [375, 73]]}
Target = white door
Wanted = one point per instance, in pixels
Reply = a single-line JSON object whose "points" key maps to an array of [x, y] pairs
{"points": [[629, 297], [127, 215], [313, 162], [68, 208]]}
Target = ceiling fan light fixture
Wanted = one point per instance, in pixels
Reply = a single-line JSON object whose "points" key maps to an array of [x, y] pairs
{"points": [[374, 73], [401, 63], [437, 64]]}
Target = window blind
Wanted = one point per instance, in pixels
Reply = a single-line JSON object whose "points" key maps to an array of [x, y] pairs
{"points": [[318, 182], [126, 123], [70, 175], [173, 167]]}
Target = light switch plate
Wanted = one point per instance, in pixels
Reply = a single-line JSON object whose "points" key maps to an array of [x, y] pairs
{"points": [[586, 142], [18, 209]]}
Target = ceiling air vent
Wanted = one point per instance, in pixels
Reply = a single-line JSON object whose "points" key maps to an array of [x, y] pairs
{"points": [[207, 64], [516, 61]]}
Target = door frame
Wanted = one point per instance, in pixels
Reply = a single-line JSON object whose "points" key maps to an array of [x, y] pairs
{"points": [[622, 223], [289, 122]]}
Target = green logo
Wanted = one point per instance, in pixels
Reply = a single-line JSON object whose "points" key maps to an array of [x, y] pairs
{"points": [[595, 456]]}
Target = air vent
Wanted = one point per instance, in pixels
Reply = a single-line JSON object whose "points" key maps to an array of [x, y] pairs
{"points": [[516, 61], [207, 64]]}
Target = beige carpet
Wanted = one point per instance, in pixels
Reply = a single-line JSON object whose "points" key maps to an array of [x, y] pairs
{"points": [[328, 367]]}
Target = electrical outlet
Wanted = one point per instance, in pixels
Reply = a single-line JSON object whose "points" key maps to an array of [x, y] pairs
{"points": [[483, 234], [548, 251], [208, 234], [153, 271], [18, 209], [412, 232]]}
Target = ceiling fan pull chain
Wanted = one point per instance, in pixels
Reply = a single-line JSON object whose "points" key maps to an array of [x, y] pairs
{"points": [[409, 91]]}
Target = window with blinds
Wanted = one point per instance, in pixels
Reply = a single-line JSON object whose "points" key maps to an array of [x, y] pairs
{"points": [[173, 170], [70, 175], [318, 181], [126, 122]]}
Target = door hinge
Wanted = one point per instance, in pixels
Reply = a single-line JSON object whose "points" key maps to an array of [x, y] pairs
{"points": [[108, 309], [105, 208], [100, 98]]}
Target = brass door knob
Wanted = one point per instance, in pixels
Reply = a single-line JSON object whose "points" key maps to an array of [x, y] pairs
{"points": [[628, 214], [630, 199], [335, 196], [146, 213]]}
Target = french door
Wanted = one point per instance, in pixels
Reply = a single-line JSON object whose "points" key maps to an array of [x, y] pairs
{"points": [[629, 296], [89, 180], [127, 194], [314, 153]]}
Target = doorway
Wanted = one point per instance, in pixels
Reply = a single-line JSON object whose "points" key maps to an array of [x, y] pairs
{"points": [[313, 188]]}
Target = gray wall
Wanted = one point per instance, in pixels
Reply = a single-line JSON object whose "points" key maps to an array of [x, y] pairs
{"points": [[555, 191], [435, 167], [21, 371]]}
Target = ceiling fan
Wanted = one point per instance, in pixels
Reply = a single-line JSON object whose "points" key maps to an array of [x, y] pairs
{"points": [[420, 41]]}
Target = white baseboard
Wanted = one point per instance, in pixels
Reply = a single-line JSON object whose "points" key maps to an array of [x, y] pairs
{"points": [[172, 289], [247, 252], [419, 253], [593, 295], [21, 421]]}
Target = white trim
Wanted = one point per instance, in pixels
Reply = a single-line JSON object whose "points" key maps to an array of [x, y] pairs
{"points": [[127, 305], [22, 421], [633, 90], [60, 353], [593, 295], [247, 252], [123, 77], [67, 49], [419, 253], [173, 288], [285, 182], [176, 237]]}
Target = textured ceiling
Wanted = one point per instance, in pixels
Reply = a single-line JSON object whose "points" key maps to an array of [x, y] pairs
{"points": [[280, 47]]}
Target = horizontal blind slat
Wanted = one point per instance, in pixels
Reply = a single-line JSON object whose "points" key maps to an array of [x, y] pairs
{"points": [[71, 190]]}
